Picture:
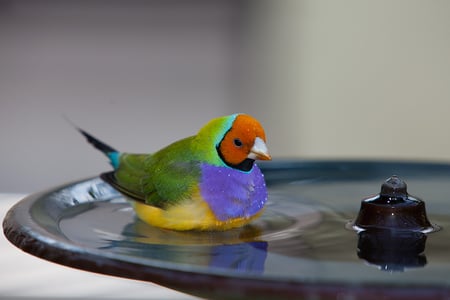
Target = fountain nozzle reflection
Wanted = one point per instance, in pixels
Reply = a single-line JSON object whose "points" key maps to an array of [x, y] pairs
{"points": [[392, 250]]}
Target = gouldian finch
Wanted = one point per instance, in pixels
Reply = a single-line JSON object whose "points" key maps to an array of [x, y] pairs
{"points": [[208, 181]]}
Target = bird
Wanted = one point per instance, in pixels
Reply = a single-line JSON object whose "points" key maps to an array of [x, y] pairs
{"points": [[206, 182]]}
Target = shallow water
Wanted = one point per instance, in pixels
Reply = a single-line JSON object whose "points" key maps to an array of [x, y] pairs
{"points": [[303, 233], [301, 239]]}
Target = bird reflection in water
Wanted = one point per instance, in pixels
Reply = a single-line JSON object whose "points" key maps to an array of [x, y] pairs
{"points": [[237, 250]]}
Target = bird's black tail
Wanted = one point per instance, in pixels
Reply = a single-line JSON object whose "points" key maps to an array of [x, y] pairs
{"points": [[110, 152], [97, 143]]}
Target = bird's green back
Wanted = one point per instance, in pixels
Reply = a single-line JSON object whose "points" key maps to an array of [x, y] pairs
{"points": [[172, 174], [163, 178]]}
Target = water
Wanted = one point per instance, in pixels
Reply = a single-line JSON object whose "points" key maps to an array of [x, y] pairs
{"points": [[281, 227], [304, 228], [302, 237]]}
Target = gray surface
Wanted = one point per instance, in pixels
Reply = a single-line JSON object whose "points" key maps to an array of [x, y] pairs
{"points": [[26, 276], [326, 79], [138, 74]]}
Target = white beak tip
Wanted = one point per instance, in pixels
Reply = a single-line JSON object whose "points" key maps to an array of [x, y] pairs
{"points": [[259, 150]]}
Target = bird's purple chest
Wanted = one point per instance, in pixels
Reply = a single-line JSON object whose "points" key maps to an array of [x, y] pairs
{"points": [[232, 193]]}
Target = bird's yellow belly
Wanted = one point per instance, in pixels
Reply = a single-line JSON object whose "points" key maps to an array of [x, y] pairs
{"points": [[193, 214]]}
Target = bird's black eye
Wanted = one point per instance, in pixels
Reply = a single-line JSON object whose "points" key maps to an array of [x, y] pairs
{"points": [[237, 142]]}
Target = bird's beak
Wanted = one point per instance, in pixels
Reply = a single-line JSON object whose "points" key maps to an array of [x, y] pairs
{"points": [[259, 150]]}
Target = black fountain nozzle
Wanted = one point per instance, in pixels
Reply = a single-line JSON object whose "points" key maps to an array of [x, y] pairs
{"points": [[393, 190], [391, 228], [393, 208]]}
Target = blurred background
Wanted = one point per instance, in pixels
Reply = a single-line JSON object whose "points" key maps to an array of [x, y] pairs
{"points": [[348, 79], [328, 79]]}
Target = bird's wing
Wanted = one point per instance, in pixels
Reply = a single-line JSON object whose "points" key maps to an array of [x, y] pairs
{"points": [[171, 183], [128, 176], [110, 178], [161, 179], [171, 174]]}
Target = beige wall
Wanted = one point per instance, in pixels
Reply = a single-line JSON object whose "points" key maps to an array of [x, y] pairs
{"points": [[137, 74], [328, 79], [353, 79]]}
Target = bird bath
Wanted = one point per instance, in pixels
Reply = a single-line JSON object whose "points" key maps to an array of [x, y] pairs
{"points": [[303, 246]]}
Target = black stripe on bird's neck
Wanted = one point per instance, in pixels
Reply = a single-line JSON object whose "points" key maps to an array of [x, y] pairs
{"points": [[246, 165]]}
